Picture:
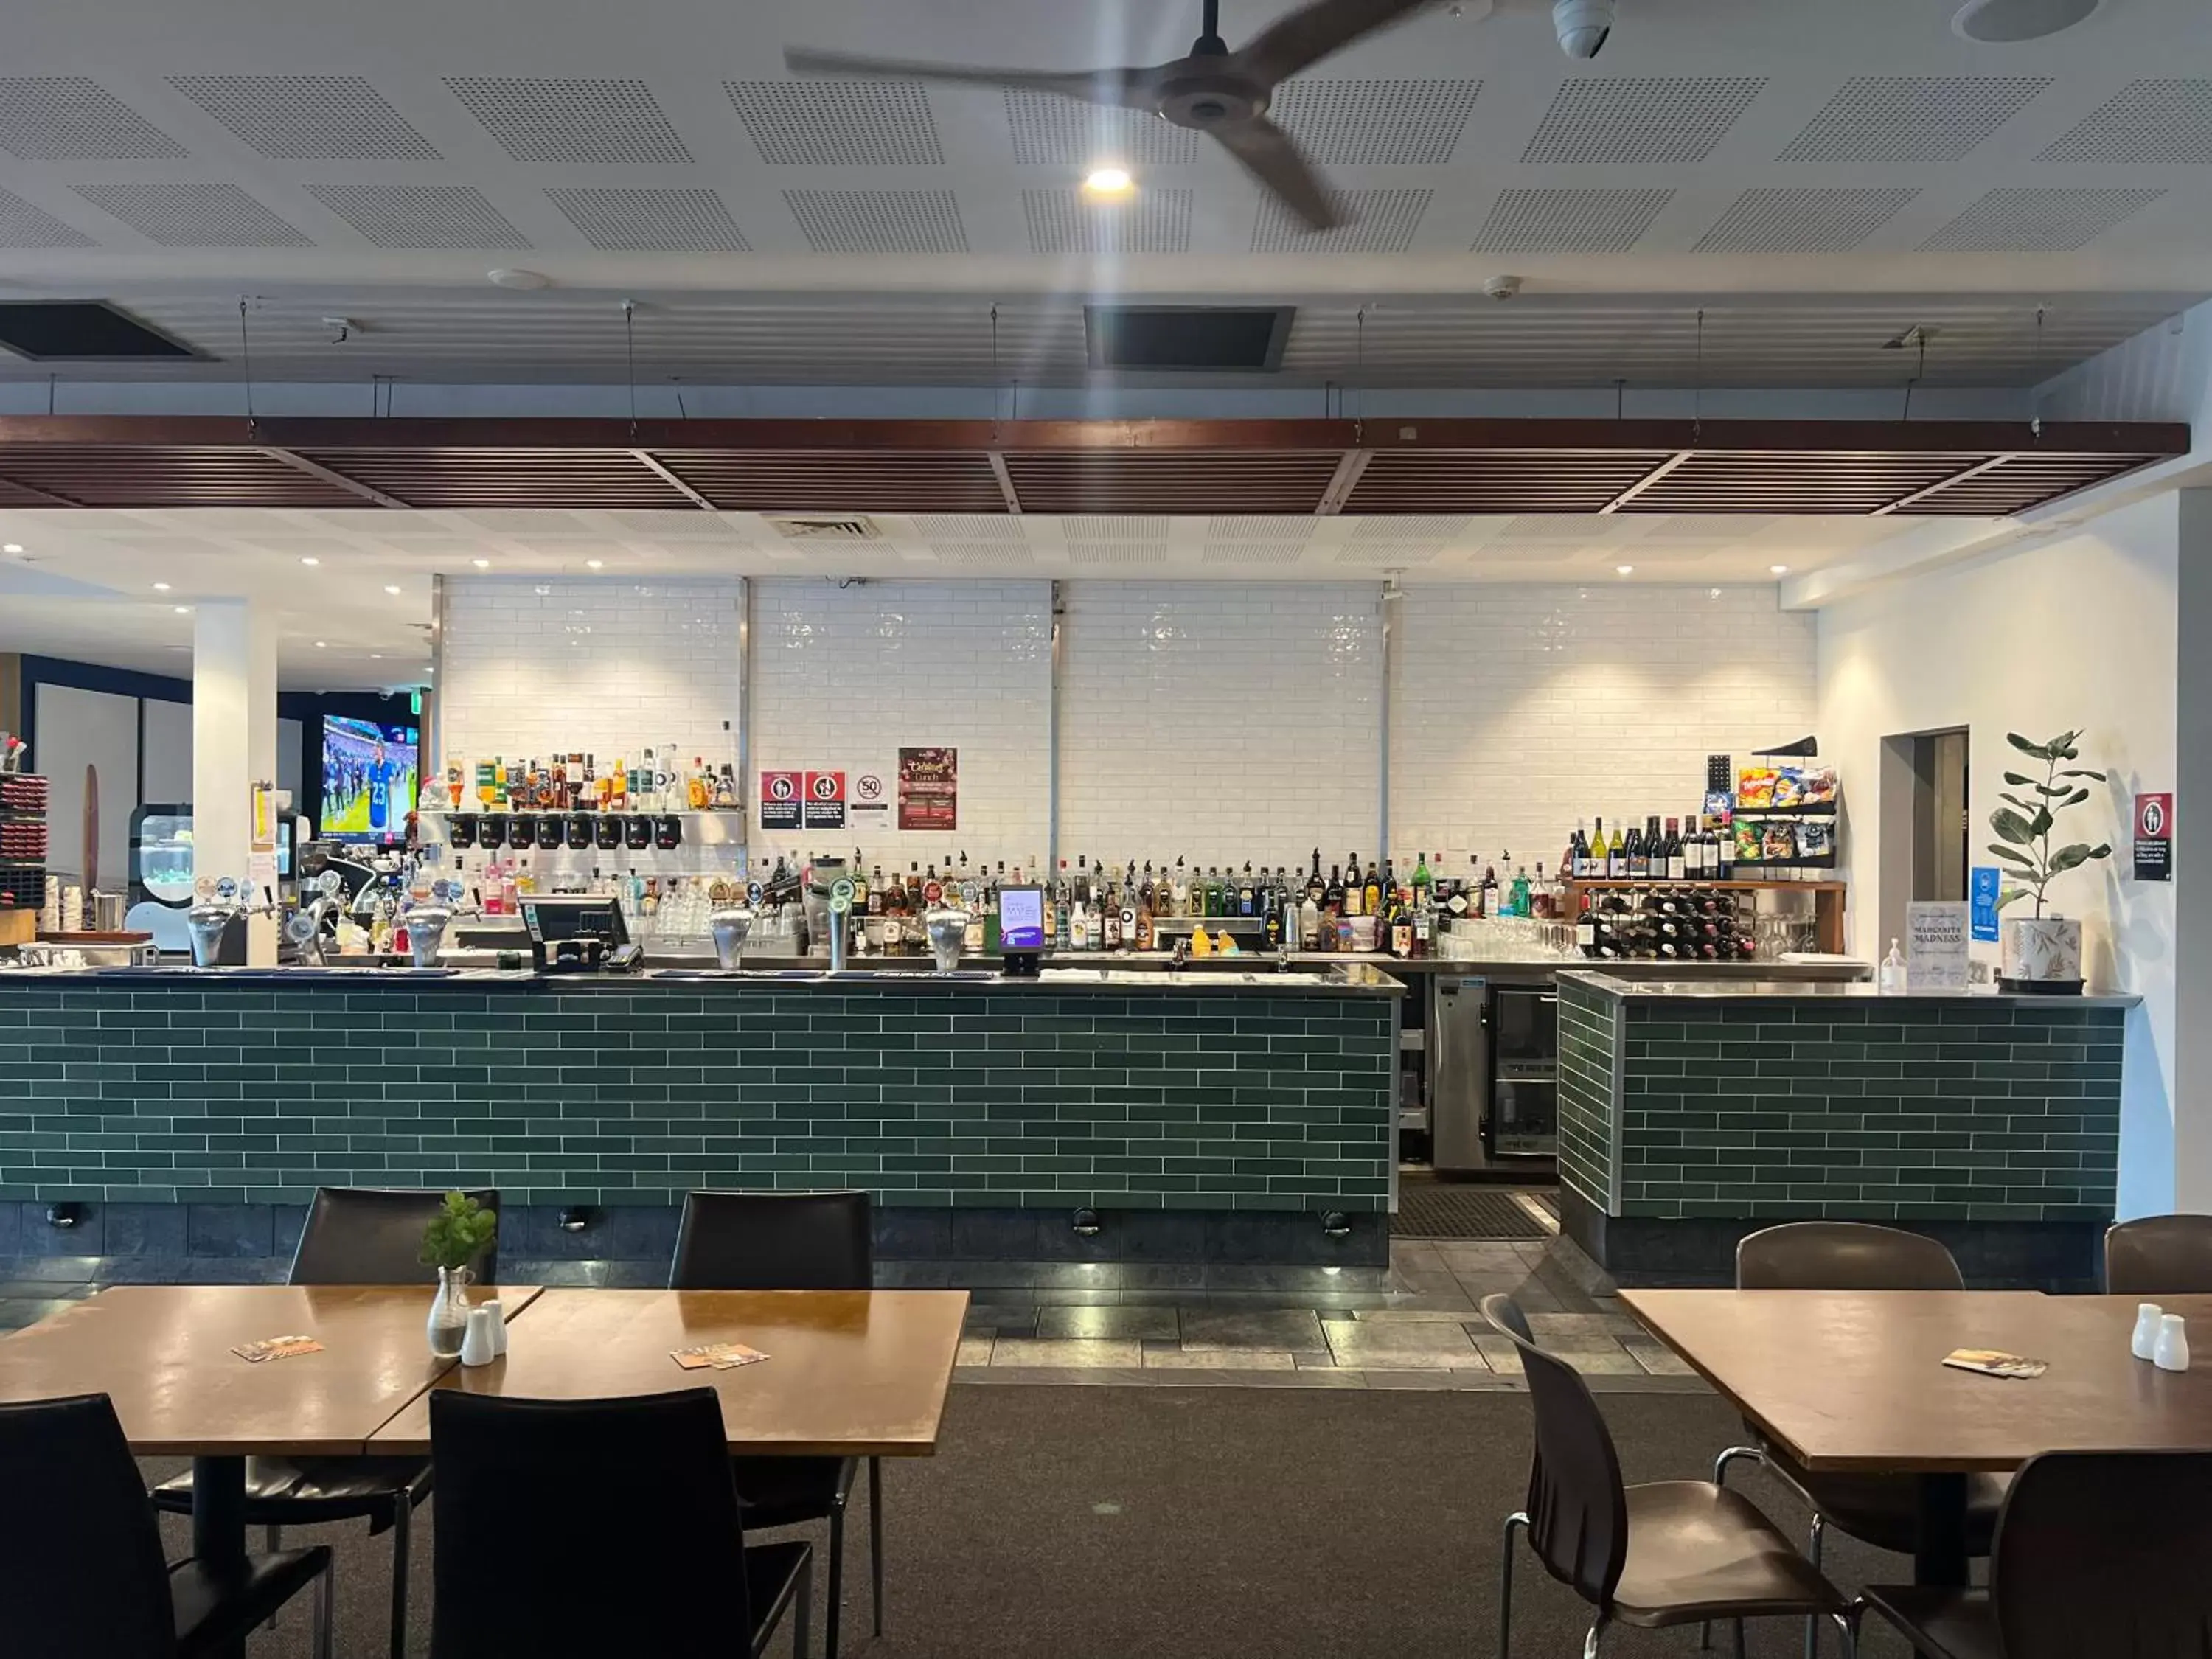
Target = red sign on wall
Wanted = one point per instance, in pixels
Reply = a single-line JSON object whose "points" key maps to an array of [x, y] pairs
{"points": [[825, 801], [2154, 837]]}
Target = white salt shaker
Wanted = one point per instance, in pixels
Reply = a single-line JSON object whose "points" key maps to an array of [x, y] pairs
{"points": [[2144, 1343], [2172, 1353], [498, 1325], [479, 1346]]}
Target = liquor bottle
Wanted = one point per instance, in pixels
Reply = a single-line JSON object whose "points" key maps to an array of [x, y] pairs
{"points": [[1723, 858], [618, 789], [1422, 878], [1079, 925], [1314, 886], [1109, 922], [1635, 858], [861, 891], [1355, 890], [1595, 862], [1489, 889], [1586, 928], [1248, 897], [1332, 896], [1401, 924], [1143, 934], [1310, 919], [1371, 893], [1522, 896], [1671, 851]]}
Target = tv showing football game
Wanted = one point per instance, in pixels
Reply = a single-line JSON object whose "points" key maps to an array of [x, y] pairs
{"points": [[368, 779]]}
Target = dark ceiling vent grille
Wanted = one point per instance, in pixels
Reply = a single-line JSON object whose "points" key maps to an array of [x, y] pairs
{"points": [[82, 330], [1187, 339]]}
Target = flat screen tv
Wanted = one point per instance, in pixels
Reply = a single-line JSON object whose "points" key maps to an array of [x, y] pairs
{"points": [[368, 779]]}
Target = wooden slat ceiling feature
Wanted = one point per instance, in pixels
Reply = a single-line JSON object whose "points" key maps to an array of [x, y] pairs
{"points": [[2021, 482], [1499, 480], [108, 475], [839, 481], [1736, 482], [500, 477], [1172, 481]]}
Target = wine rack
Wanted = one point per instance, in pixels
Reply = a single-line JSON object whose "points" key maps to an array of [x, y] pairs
{"points": [[1638, 915], [23, 843]]}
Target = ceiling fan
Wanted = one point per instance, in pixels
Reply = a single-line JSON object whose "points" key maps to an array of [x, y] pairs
{"points": [[1214, 90]]}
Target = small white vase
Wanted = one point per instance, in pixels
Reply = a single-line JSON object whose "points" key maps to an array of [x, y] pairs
{"points": [[449, 1313], [2172, 1353], [2143, 1345], [2042, 957]]}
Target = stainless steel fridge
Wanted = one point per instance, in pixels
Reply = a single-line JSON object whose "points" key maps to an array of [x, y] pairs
{"points": [[1494, 1075]]}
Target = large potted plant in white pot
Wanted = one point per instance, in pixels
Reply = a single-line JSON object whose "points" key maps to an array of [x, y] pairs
{"points": [[2042, 955]]}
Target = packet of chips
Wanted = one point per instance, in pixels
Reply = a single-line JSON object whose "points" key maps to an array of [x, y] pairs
{"points": [[1754, 789], [1749, 843], [1821, 785], [1788, 788], [1816, 839], [1778, 843]]}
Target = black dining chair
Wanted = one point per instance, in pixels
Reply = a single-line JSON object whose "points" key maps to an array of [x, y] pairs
{"points": [[2097, 1553], [1660, 1553], [352, 1236], [791, 1242], [80, 1566], [1881, 1510], [2159, 1255], [599, 1526]]}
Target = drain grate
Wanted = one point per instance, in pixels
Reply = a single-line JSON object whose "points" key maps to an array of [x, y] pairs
{"points": [[1428, 1208]]}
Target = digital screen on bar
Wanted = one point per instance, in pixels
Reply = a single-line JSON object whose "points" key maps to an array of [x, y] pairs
{"points": [[1021, 918]]}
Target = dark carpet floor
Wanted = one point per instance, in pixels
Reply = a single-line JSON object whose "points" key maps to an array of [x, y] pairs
{"points": [[1219, 1523]]}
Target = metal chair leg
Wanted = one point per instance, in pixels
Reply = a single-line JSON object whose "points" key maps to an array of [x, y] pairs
{"points": [[1738, 1637], [1506, 1585], [875, 1535], [325, 1599], [1734, 1453], [1591, 1642], [802, 1612], [835, 1618], [402, 1514], [273, 1538], [1847, 1630], [1813, 1541]]}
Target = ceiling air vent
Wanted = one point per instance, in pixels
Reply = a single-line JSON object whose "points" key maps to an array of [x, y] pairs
{"points": [[1187, 339], [793, 529], [81, 331]]}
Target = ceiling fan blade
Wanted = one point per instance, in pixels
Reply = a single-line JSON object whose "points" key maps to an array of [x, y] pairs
{"points": [[1270, 156], [1305, 37], [1128, 88]]}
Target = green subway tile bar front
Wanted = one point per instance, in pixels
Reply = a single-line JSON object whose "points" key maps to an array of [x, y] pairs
{"points": [[1228, 1114], [1693, 1112]]}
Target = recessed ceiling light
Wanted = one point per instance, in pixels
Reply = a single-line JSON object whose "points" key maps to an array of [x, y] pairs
{"points": [[429, 668], [319, 644], [507, 277], [1712, 593], [1625, 570], [161, 587], [1778, 570], [391, 587], [309, 558], [481, 564], [1105, 184], [11, 547], [1999, 22], [595, 564], [376, 656], [184, 610]]}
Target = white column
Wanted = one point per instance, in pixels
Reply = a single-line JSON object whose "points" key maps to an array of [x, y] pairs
{"points": [[2192, 862], [234, 744]]}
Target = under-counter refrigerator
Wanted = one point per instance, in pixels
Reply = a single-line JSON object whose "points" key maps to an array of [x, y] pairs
{"points": [[1494, 1075]]}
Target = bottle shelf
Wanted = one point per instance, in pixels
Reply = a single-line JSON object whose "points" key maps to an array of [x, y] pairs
{"points": [[1770, 884], [589, 812]]}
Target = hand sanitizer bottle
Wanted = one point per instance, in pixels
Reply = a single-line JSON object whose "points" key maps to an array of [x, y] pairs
{"points": [[1889, 979]]}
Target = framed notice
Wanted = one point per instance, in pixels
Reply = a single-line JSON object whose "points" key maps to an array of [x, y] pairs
{"points": [[825, 801], [779, 800], [2154, 847], [1935, 935], [929, 788]]}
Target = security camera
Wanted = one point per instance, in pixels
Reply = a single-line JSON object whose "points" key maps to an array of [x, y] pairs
{"points": [[1501, 288], [1582, 26]]}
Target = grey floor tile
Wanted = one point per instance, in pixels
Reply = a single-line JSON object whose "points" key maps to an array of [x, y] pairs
{"points": [[18, 1312], [1162, 1275], [1034, 1353], [1315, 1359], [44, 1289], [1218, 1359], [1504, 1357], [1154, 1324], [965, 1275], [1638, 1382], [1078, 1275], [1595, 1357], [1417, 1315], [975, 1348], [1283, 1327], [1012, 1318], [1657, 1358], [1486, 1256], [1365, 1344], [1410, 1255], [1060, 1376], [1553, 1328], [1426, 1377]]}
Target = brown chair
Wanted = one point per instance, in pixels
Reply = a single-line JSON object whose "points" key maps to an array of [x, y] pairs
{"points": [[1662, 1553], [352, 1236], [2097, 1553], [2160, 1255], [1881, 1510]]}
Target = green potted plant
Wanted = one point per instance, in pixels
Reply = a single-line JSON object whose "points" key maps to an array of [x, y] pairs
{"points": [[2042, 955], [457, 1235]]}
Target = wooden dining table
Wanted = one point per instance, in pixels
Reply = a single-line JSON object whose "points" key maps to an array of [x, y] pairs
{"points": [[855, 1373], [1853, 1381]]}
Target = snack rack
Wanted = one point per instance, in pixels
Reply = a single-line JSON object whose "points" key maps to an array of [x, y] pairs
{"points": [[1785, 817]]}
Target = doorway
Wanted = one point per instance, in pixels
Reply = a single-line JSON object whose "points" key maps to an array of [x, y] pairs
{"points": [[1925, 795]]}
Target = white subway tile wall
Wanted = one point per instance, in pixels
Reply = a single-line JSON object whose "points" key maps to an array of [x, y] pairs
{"points": [[842, 677], [1220, 720], [1516, 710], [603, 665]]}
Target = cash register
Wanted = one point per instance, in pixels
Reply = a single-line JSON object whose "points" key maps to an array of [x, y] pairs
{"points": [[579, 935]]}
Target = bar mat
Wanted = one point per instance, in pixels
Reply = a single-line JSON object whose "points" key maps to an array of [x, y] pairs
{"points": [[1428, 1208]]}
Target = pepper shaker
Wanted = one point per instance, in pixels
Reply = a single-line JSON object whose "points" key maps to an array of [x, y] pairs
{"points": [[2144, 1344], [479, 1346], [498, 1325], [2172, 1352]]}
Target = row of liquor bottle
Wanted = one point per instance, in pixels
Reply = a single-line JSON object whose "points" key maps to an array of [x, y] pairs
{"points": [[1695, 848], [648, 781], [1675, 924]]}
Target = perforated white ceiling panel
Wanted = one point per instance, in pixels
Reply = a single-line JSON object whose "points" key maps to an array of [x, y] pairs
{"points": [[562, 118], [70, 118], [1045, 130], [1803, 220], [1568, 221], [1378, 221], [315, 117], [1154, 220], [194, 216], [1342, 123], [1924, 118], [2158, 122], [420, 216], [649, 219], [1599, 119], [2038, 221], [838, 122], [879, 221], [22, 225]]}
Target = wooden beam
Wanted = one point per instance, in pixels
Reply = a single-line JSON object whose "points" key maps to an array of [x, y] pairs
{"points": [[1960, 477], [299, 462], [652, 464], [999, 471], [1647, 480], [1342, 484]]}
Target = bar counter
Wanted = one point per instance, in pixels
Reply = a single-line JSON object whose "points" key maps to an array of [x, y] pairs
{"points": [[180, 1116], [1692, 1112]]}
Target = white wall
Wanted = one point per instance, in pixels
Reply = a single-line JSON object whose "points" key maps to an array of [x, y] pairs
{"points": [[1517, 710], [98, 730], [1221, 721], [843, 676], [2078, 633]]}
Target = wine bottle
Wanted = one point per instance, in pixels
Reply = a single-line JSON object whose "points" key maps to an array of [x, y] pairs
{"points": [[1636, 860]]}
